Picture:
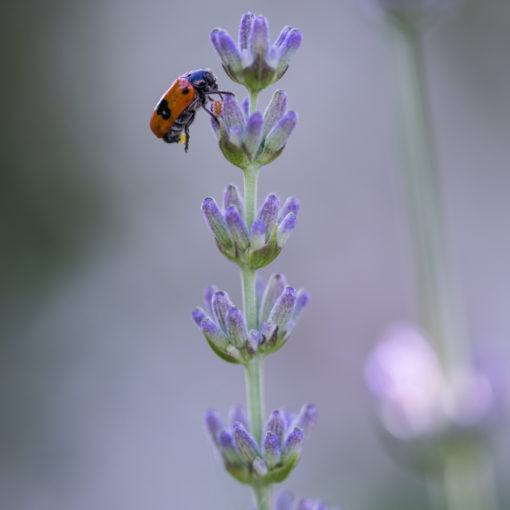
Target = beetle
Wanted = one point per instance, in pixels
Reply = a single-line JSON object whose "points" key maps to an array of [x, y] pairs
{"points": [[175, 111]]}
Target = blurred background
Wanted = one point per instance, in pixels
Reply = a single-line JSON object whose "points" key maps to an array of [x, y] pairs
{"points": [[104, 378]]}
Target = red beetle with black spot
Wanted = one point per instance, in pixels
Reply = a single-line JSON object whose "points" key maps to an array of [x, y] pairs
{"points": [[176, 110]]}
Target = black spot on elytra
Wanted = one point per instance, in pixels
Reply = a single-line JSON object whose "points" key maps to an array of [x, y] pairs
{"points": [[185, 90], [163, 109]]}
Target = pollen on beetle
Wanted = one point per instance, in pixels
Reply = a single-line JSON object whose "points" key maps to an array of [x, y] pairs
{"points": [[217, 107], [182, 138]]}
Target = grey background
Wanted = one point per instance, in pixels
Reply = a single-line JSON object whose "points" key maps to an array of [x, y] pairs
{"points": [[103, 376]]}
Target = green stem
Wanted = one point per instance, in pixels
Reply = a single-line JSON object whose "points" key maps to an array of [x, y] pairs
{"points": [[467, 477], [250, 194], [255, 396], [253, 101], [435, 298], [254, 372], [263, 496]]}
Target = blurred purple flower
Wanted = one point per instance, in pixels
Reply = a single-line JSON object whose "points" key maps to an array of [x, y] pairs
{"points": [[255, 63], [285, 500], [415, 396]]}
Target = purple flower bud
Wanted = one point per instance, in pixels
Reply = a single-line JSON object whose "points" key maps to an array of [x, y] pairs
{"points": [[276, 425], [278, 136], [232, 197], [236, 327], [238, 229], [252, 343], [306, 418], [271, 449], [268, 213], [288, 47], [302, 298], [283, 309], [258, 235], [221, 304], [292, 444], [245, 444], [227, 448], [216, 222], [214, 334], [237, 415], [253, 134], [268, 333], [290, 205], [282, 36], [259, 37], [208, 294], [213, 424], [275, 110], [285, 229], [227, 50], [198, 315], [232, 114], [245, 29], [274, 289], [259, 466]]}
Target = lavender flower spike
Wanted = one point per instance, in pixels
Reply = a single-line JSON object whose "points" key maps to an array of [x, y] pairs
{"points": [[255, 63]]}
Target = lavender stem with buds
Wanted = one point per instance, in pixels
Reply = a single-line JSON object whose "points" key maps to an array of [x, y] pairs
{"points": [[255, 451]]}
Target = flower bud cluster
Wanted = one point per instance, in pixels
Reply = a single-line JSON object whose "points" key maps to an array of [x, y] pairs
{"points": [[278, 308], [285, 500], [258, 246], [269, 462], [255, 63], [254, 139]]}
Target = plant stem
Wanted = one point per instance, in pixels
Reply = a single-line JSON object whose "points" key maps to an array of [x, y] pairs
{"points": [[435, 298], [254, 372], [263, 497], [250, 194], [253, 101], [467, 478]]}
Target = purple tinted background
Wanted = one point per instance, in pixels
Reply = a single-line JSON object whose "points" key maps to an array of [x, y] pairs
{"points": [[104, 376]]}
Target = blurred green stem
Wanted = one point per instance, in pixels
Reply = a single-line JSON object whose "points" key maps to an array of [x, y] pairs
{"points": [[467, 482], [254, 371]]}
